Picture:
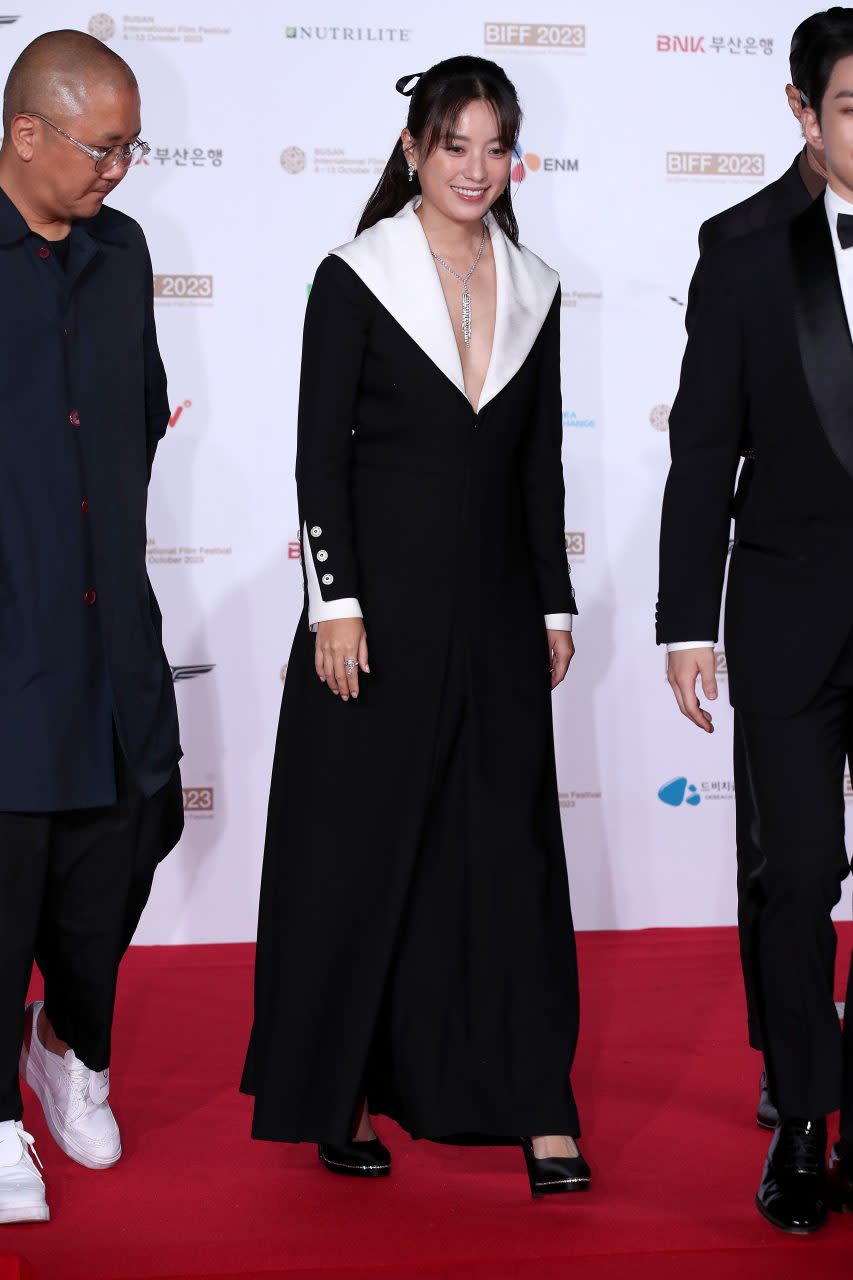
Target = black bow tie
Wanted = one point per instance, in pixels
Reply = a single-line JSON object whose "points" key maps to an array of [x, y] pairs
{"points": [[845, 230]]}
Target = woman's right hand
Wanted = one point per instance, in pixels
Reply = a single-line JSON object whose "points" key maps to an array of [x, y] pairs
{"points": [[337, 641]]}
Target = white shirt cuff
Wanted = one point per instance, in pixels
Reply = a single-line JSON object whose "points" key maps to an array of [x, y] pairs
{"points": [[320, 610], [558, 621], [690, 644], [348, 607]]}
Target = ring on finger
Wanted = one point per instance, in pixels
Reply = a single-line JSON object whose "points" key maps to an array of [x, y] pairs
{"points": [[350, 664]]}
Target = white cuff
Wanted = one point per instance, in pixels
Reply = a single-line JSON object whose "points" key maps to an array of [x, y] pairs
{"points": [[690, 644], [345, 608], [320, 610], [558, 621]]}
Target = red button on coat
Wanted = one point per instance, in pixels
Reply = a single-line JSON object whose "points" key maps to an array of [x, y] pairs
{"points": [[90, 596], [44, 252], [84, 506], [74, 418]]}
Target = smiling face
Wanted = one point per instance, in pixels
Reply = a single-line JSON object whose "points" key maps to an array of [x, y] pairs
{"points": [[60, 179], [468, 169], [834, 130]]}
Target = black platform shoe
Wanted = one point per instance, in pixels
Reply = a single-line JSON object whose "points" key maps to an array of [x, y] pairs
{"points": [[840, 1178], [792, 1195], [767, 1117], [357, 1159], [553, 1175]]}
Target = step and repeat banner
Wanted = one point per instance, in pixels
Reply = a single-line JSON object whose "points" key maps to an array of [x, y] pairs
{"points": [[269, 124]]}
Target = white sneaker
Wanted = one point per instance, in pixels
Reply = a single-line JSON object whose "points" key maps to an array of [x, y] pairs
{"points": [[74, 1100], [21, 1185]]}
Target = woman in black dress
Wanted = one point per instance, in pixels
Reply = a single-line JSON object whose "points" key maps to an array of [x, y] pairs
{"points": [[415, 948]]}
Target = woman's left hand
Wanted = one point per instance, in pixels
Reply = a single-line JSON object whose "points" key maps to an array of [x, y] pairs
{"points": [[561, 649]]}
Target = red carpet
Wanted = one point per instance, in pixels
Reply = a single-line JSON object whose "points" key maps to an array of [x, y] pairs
{"points": [[13, 1267], [667, 1092]]}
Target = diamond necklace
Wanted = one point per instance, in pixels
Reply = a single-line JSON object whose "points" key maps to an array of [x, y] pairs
{"points": [[463, 280]]}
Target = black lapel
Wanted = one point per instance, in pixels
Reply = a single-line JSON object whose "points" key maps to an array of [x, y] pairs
{"points": [[822, 328]]}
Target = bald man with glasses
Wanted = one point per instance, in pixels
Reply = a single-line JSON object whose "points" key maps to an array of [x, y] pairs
{"points": [[90, 788]]}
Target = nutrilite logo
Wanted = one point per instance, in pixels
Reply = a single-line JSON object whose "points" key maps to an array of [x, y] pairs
{"points": [[350, 35]]}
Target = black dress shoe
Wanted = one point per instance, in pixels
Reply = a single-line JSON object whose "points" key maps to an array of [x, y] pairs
{"points": [[792, 1194], [555, 1174], [767, 1117], [357, 1159], [840, 1179]]}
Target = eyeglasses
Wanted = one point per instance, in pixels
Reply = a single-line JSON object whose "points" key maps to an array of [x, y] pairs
{"points": [[105, 158]]}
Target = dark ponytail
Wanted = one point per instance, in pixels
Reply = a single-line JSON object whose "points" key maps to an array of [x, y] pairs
{"points": [[436, 102]]}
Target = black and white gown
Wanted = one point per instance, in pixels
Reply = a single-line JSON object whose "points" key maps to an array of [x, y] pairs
{"points": [[415, 936]]}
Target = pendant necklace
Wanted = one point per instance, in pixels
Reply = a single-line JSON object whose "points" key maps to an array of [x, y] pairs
{"points": [[463, 280]]}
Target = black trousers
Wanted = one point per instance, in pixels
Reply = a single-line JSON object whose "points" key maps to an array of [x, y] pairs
{"points": [[795, 803], [748, 869], [73, 887]]}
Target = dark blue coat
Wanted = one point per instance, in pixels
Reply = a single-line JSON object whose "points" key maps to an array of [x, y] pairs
{"points": [[82, 406]]}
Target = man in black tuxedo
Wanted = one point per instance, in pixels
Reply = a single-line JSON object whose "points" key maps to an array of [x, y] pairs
{"points": [[789, 195], [770, 354], [779, 202], [90, 790]]}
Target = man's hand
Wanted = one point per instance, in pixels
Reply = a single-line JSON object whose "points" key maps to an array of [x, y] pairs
{"points": [[561, 649], [337, 641], [682, 668]]}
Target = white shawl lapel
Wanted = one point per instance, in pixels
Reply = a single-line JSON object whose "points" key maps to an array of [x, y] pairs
{"points": [[393, 260], [526, 289]]}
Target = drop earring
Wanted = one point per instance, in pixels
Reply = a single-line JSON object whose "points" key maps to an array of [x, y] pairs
{"points": [[411, 172]]}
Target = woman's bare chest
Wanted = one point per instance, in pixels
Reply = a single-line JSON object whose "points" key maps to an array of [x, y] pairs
{"points": [[473, 319]]}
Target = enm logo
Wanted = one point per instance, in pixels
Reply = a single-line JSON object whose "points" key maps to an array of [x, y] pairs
{"points": [[529, 162]]}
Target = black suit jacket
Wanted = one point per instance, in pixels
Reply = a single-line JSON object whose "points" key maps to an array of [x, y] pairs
{"points": [[779, 201], [83, 404], [769, 353]]}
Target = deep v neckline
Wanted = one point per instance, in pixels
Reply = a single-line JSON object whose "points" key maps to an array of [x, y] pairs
{"points": [[488, 223]]}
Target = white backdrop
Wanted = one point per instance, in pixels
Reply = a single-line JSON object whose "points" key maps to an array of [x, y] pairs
{"points": [[269, 125]]}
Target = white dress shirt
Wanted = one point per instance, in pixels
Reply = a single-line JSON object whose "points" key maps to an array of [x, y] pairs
{"points": [[844, 262], [843, 257]]}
